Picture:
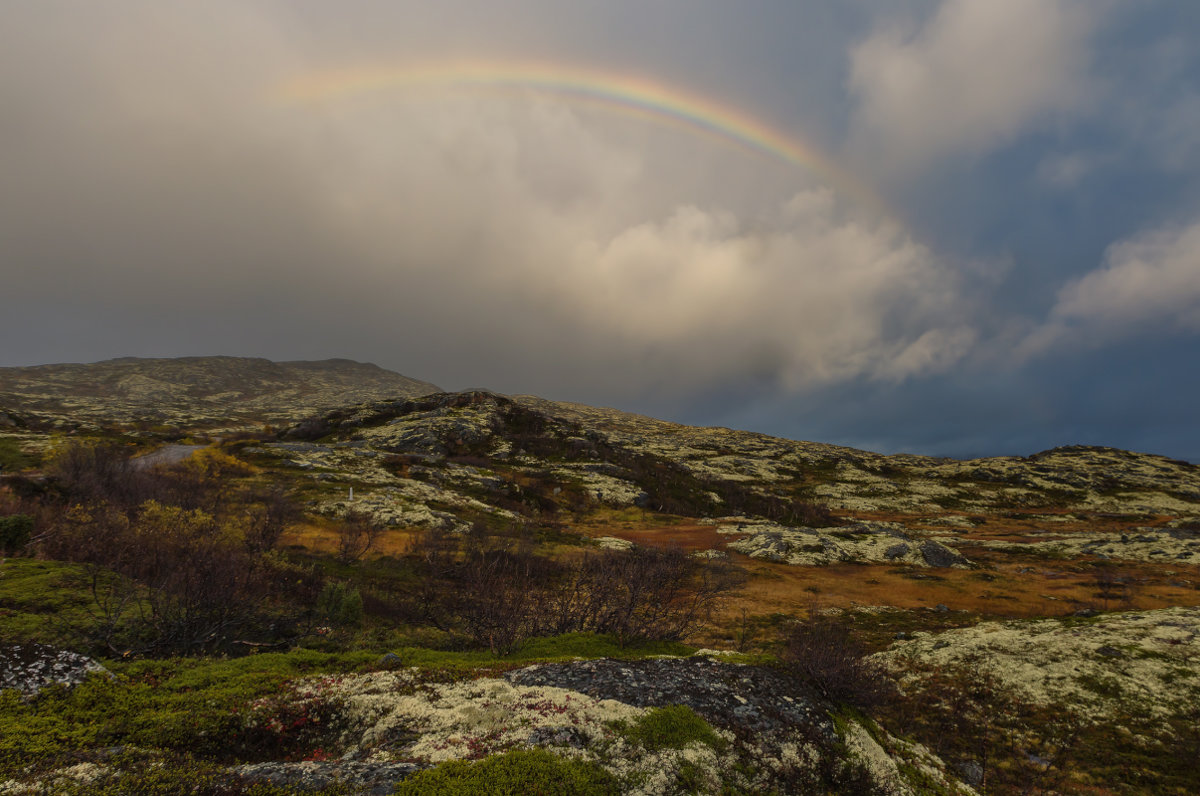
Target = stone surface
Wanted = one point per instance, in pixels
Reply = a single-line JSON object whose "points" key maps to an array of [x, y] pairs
{"points": [[31, 667], [740, 698]]}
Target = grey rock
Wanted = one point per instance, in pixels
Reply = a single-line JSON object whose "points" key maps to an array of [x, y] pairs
{"points": [[971, 772], [938, 555], [31, 667], [376, 779], [557, 736], [741, 698]]}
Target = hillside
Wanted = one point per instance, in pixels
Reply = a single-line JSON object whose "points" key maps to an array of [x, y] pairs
{"points": [[462, 575], [192, 392]]}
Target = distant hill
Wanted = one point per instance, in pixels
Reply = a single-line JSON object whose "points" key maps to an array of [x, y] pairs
{"points": [[191, 391]]}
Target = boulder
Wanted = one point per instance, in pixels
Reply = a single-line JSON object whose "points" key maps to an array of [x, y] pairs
{"points": [[31, 667], [938, 555]]}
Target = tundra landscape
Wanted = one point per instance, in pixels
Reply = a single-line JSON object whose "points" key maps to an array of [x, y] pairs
{"points": [[768, 397], [230, 575]]}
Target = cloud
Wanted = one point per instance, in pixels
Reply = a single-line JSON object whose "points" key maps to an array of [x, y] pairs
{"points": [[1066, 171], [1148, 282], [513, 239], [605, 269], [969, 79]]}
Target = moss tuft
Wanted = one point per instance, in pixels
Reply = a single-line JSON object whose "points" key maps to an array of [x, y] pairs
{"points": [[521, 772]]}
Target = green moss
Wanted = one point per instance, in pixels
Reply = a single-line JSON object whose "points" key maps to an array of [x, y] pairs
{"points": [[221, 709], [923, 782], [12, 459], [690, 778], [671, 727], [1101, 685], [42, 600], [568, 646], [521, 772]]}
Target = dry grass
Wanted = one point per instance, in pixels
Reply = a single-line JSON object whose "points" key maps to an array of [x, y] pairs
{"points": [[1012, 589], [1006, 584], [322, 538]]}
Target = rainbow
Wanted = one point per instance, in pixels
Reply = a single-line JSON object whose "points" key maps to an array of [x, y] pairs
{"points": [[622, 92]]}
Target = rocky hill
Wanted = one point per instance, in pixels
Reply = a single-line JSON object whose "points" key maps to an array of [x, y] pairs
{"points": [[764, 496], [1040, 614], [190, 392]]}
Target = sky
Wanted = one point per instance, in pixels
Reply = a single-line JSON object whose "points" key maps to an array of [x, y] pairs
{"points": [[951, 227]]}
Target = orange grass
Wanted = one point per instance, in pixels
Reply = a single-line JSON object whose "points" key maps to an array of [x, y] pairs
{"points": [[322, 538], [1007, 584]]}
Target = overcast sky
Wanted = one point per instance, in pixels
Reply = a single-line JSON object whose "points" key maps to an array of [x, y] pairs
{"points": [[956, 227]]}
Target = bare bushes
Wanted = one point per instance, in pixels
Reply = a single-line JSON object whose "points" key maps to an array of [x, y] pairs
{"points": [[501, 596], [106, 472], [643, 593], [180, 556], [821, 651], [164, 579], [356, 535]]}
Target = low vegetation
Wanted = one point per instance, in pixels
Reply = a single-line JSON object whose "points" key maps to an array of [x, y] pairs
{"points": [[358, 591]]}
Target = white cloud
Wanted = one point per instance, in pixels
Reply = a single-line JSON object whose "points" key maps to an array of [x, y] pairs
{"points": [[971, 78], [830, 298], [1151, 281]]}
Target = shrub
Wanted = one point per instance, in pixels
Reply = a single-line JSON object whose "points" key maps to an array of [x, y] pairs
{"points": [[15, 531], [521, 772], [187, 583], [501, 597], [340, 605], [357, 534], [11, 458], [821, 651]]}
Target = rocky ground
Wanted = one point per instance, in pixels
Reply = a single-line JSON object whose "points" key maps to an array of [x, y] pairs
{"points": [[765, 732], [1143, 662], [445, 462], [1022, 557]]}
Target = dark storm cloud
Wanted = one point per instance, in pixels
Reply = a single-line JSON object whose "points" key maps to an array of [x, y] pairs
{"points": [[161, 199]]}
